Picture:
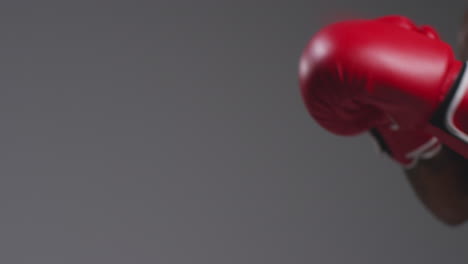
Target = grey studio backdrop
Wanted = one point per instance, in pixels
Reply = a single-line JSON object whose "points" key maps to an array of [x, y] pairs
{"points": [[172, 132]]}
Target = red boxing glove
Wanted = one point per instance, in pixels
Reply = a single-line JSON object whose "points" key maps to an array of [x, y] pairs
{"points": [[360, 75]]}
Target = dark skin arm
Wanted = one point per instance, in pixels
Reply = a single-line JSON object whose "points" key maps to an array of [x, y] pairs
{"points": [[441, 183]]}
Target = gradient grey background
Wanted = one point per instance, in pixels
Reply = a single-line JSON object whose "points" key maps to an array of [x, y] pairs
{"points": [[172, 132]]}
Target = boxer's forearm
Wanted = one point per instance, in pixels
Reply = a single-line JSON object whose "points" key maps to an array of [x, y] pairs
{"points": [[441, 183], [462, 38]]}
